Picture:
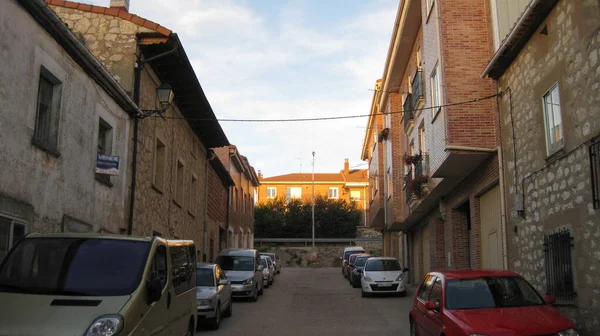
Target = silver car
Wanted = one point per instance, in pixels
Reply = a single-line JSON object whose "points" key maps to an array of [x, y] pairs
{"points": [[268, 271], [213, 295], [245, 271], [276, 261]]}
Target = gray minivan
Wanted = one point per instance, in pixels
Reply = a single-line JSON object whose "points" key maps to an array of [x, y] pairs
{"points": [[244, 269]]}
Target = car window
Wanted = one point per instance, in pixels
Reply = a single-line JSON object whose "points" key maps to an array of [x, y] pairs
{"points": [[348, 253], [425, 287], [360, 261], [159, 265], [235, 263], [263, 262], [182, 270], [205, 277], [436, 292], [379, 265], [490, 292]]}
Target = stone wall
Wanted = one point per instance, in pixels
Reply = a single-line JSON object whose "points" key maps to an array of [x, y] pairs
{"points": [[556, 188]]}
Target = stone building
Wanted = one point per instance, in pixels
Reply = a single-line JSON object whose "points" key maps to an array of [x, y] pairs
{"points": [[242, 197], [349, 184], [548, 71], [172, 148], [60, 108], [217, 207]]}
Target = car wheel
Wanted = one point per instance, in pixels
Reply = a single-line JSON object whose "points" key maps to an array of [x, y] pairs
{"points": [[413, 329], [216, 321], [229, 310]]}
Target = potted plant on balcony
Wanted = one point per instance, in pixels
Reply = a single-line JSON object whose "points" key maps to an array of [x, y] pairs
{"points": [[418, 186], [383, 135], [412, 159]]}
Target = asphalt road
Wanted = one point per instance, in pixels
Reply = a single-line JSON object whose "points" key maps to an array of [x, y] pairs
{"points": [[316, 301]]}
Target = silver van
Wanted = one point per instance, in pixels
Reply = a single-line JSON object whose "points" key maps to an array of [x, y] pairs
{"points": [[92, 284], [245, 271]]}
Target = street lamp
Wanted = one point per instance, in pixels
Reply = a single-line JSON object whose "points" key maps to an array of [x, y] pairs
{"points": [[313, 201], [164, 93]]}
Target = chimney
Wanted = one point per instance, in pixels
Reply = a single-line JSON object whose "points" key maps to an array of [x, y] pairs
{"points": [[120, 4], [260, 175], [346, 167]]}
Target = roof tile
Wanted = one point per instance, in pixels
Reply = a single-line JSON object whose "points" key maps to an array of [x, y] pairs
{"points": [[98, 9], [163, 30], [70, 4], [112, 11], [151, 25], [123, 14], [138, 20], [85, 7]]}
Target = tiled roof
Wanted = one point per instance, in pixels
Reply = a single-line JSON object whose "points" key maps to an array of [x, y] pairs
{"points": [[305, 177], [117, 12], [357, 175]]}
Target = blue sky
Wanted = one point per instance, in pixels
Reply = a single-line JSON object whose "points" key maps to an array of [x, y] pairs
{"points": [[260, 59]]}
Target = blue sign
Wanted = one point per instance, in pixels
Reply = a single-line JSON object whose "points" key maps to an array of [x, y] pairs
{"points": [[107, 164]]}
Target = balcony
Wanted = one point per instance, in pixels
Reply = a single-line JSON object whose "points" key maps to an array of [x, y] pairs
{"points": [[417, 88], [407, 180], [407, 108]]}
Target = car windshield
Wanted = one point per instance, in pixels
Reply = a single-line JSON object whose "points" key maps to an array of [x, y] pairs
{"points": [[205, 277], [270, 255], [263, 261], [382, 265], [490, 292], [236, 263], [348, 253], [360, 261], [75, 266]]}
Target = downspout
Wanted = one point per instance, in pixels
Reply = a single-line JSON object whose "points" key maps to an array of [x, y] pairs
{"points": [[209, 156], [139, 66], [502, 209]]}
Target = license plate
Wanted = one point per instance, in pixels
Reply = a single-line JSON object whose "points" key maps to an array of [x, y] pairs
{"points": [[384, 285]]}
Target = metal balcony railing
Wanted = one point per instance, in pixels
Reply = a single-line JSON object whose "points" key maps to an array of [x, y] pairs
{"points": [[407, 109], [417, 88]]}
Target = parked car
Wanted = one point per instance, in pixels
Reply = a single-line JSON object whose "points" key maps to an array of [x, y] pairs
{"points": [[213, 295], [484, 302], [77, 284], [350, 265], [268, 271], [245, 271], [383, 275], [347, 252], [276, 261], [359, 266]]}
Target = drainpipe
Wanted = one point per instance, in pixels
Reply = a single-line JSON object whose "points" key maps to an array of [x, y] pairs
{"points": [[502, 209], [139, 66], [210, 155]]}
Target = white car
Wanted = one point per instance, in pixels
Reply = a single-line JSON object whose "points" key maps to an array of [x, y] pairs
{"points": [[268, 271], [383, 275]]}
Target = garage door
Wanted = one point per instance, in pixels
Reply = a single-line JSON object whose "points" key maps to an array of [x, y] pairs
{"points": [[491, 234]]}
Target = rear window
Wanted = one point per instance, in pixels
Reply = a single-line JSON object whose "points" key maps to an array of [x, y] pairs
{"points": [[360, 261], [235, 263], [378, 265], [348, 253]]}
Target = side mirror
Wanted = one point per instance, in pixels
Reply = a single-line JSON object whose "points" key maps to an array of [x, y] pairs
{"points": [[341, 258], [154, 289], [260, 268], [405, 269], [430, 305], [550, 299], [224, 282]]}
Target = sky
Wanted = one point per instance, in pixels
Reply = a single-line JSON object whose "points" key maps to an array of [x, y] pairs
{"points": [[268, 59]]}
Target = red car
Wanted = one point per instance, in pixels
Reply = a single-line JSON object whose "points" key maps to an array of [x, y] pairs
{"points": [[484, 303]]}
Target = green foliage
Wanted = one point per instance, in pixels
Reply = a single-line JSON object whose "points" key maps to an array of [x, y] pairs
{"points": [[334, 218]]}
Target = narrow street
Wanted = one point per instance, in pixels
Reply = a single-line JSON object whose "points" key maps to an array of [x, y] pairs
{"points": [[316, 301]]}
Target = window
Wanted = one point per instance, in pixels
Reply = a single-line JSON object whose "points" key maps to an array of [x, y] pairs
{"points": [[179, 187], [418, 58], [355, 195], [390, 183], [243, 201], [271, 192], [334, 192], [205, 277], [436, 292], [10, 232], [159, 265], [411, 148], [159, 164], [183, 272], [193, 194], [48, 110], [425, 287], [553, 120], [559, 266], [104, 145], [235, 199], [293, 192], [436, 91]]}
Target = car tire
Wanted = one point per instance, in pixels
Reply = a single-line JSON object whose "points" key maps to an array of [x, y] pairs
{"points": [[413, 329], [215, 323], [229, 310]]}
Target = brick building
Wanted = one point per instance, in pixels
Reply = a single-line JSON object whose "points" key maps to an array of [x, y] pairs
{"points": [[59, 110], [349, 184], [171, 168], [242, 196], [441, 155], [217, 207], [548, 69]]}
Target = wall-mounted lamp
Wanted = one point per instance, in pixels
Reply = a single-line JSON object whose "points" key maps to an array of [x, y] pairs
{"points": [[164, 93]]}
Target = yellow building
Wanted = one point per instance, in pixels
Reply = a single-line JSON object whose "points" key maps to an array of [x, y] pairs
{"points": [[351, 185]]}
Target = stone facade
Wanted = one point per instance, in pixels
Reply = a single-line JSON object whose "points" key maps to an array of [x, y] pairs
{"points": [[48, 187], [555, 187]]}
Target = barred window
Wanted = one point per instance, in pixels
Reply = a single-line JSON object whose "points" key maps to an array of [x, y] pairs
{"points": [[559, 265]]}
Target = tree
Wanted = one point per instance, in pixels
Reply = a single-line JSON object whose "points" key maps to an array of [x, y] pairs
{"points": [[334, 218]]}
